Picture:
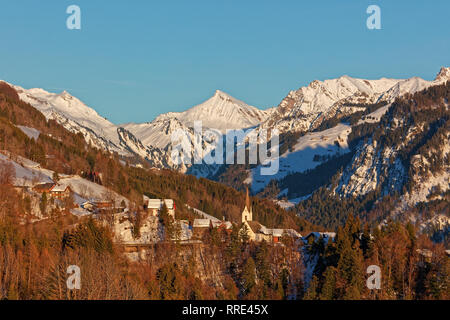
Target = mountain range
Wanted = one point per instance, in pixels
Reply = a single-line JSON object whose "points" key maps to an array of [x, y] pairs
{"points": [[315, 113]]}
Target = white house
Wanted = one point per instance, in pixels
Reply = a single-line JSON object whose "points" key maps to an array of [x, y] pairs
{"points": [[154, 206]]}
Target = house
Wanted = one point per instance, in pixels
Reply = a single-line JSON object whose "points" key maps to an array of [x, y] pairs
{"points": [[103, 206], [43, 187], [277, 234], [154, 206], [226, 226], [60, 192], [200, 227], [54, 190], [293, 233]]}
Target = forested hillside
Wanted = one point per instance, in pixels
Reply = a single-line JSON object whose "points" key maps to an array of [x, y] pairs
{"points": [[396, 164]]}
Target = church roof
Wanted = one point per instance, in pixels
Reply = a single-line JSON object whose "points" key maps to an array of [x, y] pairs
{"points": [[255, 226], [202, 223]]}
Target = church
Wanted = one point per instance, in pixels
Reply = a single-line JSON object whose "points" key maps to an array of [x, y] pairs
{"points": [[257, 232]]}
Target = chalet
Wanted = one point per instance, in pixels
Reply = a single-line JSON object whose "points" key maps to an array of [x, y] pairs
{"points": [[154, 206], [60, 192], [54, 190]]}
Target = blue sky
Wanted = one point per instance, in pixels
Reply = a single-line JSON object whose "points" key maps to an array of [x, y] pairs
{"points": [[133, 60]]}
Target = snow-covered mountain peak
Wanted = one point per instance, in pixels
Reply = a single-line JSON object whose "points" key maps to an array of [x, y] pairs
{"points": [[443, 75], [74, 115], [304, 109], [221, 111], [220, 95]]}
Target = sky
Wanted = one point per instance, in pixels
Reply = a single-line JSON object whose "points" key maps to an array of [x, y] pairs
{"points": [[133, 60]]}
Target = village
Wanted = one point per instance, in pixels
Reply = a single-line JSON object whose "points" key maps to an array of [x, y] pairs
{"points": [[194, 232], [49, 192], [83, 195]]}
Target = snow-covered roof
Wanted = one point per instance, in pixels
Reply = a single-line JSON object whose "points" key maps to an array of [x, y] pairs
{"points": [[323, 234], [293, 233], [158, 203], [203, 214], [227, 224], [44, 186], [201, 223], [277, 232], [59, 188], [219, 223]]}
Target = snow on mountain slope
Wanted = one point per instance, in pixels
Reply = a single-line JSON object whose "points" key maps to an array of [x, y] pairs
{"points": [[151, 141], [408, 148], [376, 115], [306, 108], [156, 133], [372, 167], [32, 133], [29, 173], [74, 115], [302, 156], [302, 110], [70, 107], [220, 112]]}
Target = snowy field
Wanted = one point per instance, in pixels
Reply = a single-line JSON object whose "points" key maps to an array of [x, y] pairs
{"points": [[302, 157]]}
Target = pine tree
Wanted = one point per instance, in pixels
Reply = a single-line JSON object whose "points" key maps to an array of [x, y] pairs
{"points": [[167, 221], [248, 277], [311, 293], [329, 285], [243, 233], [43, 203]]}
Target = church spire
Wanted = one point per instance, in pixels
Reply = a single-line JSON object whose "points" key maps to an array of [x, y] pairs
{"points": [[247, 214], [247, 201]]}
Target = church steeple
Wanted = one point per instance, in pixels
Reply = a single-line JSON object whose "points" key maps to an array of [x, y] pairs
{"points": [[247, 201], [247, 214]]}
